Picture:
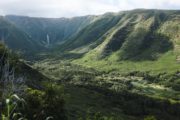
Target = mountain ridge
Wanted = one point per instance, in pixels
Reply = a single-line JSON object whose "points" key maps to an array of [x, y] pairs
{"points": [[135, 35]]}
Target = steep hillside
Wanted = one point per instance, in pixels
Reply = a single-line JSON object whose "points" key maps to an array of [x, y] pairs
{"points": [[139, 38], [134, 33], [142, 39], [91, 35]]}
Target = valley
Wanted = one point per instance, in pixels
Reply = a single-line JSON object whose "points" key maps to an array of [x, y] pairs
{"points": [[115, 66]]}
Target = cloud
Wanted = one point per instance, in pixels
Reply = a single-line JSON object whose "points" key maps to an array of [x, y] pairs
{"points": [[70, 8]]}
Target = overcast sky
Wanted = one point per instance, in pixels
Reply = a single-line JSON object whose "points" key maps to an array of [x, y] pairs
{"points": [[70, 8]]}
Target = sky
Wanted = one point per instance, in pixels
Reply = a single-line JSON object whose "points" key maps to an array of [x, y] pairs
{"points": [[71, 8]]}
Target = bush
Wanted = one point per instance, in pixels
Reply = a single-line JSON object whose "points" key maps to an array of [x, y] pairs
{"points": [[44, 104]]}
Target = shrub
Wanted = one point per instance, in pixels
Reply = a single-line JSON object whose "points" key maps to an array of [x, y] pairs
{"points": [[44, 104]]}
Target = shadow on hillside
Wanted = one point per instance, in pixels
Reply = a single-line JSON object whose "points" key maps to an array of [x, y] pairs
{"points": [[149, 48]]}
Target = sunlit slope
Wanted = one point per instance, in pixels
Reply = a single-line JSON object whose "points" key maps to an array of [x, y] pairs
{"points": [[143, 40]]}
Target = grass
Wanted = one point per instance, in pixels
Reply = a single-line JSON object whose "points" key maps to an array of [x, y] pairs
{"points": [[116, 75], [166, 63]]}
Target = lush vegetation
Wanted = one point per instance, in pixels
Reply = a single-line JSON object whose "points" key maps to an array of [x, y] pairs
{"points": [[116, 66], [141, 90]]}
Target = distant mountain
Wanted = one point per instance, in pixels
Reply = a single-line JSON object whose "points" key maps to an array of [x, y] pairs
{"points": [[50, 31], [29, 35]]}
